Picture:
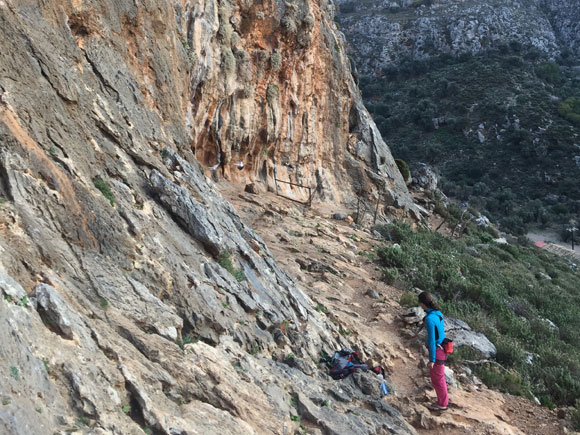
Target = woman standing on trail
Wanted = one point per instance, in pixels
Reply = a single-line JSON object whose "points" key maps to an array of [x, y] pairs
{"points": [[437, 356]]}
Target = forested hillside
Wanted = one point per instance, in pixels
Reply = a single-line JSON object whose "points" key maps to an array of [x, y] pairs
{"points": [[488, 93]]}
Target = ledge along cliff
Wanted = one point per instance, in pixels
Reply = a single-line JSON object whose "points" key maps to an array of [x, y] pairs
{"points": [[133, 297]]}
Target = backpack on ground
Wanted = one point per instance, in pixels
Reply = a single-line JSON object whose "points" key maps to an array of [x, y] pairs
{"points": [[343, 363]]}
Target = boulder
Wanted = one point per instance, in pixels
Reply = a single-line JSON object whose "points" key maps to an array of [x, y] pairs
{"points": [[551, 325], [450, 377], [424, 177], [413, 316], [368, 383], [54, 308], [462, 335], [254, 188]]}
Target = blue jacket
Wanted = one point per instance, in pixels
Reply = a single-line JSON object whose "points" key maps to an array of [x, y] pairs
{"points": [[434, 319]]}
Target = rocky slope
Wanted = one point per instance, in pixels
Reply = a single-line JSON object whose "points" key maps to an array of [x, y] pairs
{"points": [[336, 264], [133, 297], [382, 33]]}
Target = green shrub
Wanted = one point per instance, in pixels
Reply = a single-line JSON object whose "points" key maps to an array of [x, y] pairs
{"points": [[225, 261], [549, 71], [14, 373], [104, 303], [409, 299], [509, 352], [570, 109], [394, 256], [397, 231], [105, 189], [404, 169], [186, 339], [390, 275]]}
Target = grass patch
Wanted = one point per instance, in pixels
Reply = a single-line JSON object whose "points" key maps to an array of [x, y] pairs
{"points": [[346, 332], [105, 189], [46, 366], [187, 339], [510, 382], [104, 303], [14, 373], [225, 261]]}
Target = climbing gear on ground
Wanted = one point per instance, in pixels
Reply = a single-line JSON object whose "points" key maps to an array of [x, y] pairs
{"points": [[343, 363]]}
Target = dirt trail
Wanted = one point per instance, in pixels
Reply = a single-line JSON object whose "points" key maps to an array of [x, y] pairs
{"points": [[296, 235]]}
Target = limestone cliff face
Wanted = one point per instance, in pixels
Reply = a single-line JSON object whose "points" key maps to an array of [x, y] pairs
{"points": [[271, 88], [116, 248], [383, 33]]}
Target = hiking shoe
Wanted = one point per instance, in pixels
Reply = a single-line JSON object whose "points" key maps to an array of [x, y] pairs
{"points": [[437, 408]]}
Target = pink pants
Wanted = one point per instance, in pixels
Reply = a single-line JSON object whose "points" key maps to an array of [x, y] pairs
{"points": [[438, 379]]}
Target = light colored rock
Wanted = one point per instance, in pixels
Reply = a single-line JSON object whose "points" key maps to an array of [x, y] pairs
{"points": [[424, 177], [462, 335], [53, 306], [450, 377], [414, 315], [9, 287]]}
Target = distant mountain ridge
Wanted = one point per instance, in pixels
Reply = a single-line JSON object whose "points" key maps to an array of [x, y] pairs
{"points": [[383, 33]]}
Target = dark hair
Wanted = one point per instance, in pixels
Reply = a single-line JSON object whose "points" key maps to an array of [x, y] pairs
{"points": [[427, 299]]}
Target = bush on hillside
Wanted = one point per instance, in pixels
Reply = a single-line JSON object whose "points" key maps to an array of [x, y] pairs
{"points": [[570, 109], [404, 169], [470, 94], [549, 71]]}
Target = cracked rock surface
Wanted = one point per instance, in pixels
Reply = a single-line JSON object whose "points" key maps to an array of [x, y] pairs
{"points": [[133, 298]]}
